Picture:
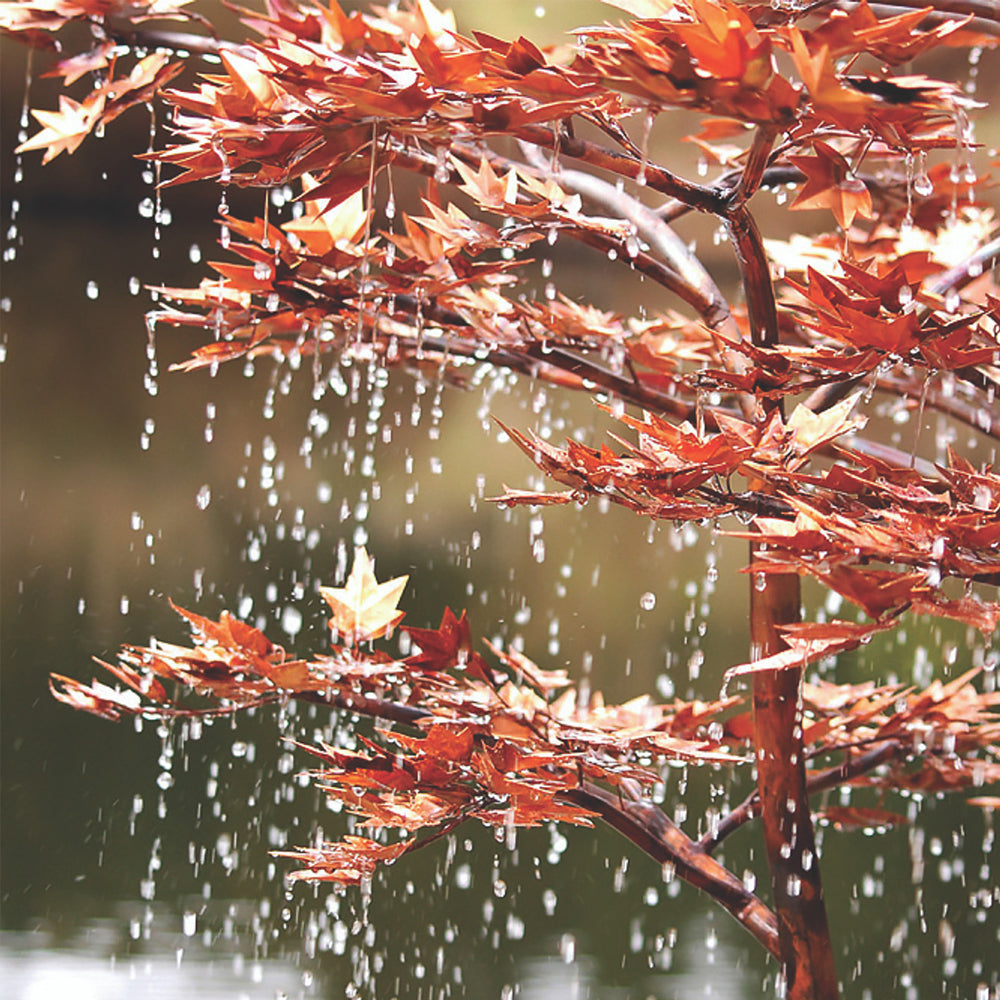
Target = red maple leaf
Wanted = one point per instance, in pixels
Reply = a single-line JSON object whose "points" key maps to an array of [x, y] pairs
{"points": [[447, 646]]}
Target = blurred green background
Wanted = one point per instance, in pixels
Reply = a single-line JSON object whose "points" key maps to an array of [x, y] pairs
{"points": [[136, 864]]}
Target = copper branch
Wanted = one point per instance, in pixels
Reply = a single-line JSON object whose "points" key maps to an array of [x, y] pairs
{"points": [[650, 829]]}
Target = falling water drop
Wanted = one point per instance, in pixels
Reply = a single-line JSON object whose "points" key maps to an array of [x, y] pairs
{"points": [[291, 621], [923, 185]]}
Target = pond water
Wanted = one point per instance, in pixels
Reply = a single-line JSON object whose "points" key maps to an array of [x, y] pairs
{"points": [[136, 864]]}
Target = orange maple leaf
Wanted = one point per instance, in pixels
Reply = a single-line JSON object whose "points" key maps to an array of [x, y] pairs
{"points": [[830, 184], [66, 128]]}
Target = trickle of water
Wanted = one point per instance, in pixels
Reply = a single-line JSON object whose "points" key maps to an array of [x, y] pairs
{"points": [[647, 127], [922, 184]]}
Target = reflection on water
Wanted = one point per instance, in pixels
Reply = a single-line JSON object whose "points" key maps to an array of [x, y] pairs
{"points": [[175, 960], [98, 965], [707, 966]]}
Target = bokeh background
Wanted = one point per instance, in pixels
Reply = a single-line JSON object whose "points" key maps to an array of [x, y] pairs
{"points": [[136, 864]]}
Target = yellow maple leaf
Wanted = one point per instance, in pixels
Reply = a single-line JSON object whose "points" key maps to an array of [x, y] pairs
{"points": [[811, 430], [363, 608]]}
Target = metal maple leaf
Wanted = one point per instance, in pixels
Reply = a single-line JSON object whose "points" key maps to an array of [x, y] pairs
{"points": [[363, 608]]}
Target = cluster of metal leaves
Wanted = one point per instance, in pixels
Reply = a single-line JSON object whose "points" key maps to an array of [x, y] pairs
{"points": [[333, 101], [504, 741], [337, 104]]}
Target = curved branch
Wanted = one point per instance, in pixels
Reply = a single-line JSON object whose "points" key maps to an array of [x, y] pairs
{"points": [[960, 275], [650, 829], [696, 196], [650, 228], [756, 274], [752, 175], [984, 418], [680, 272]]}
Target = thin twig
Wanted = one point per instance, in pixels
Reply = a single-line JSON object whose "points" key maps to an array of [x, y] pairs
{"points": [[749, 808]]}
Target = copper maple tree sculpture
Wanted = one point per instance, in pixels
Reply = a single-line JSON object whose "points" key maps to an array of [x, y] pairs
{"points": [[752, 405]]}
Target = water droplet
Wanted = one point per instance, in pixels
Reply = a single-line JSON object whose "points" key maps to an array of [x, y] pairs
{"points": [[92, 290], [291, 621], [567, 948], [648, 601], [923, 185], [203, 497]]}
